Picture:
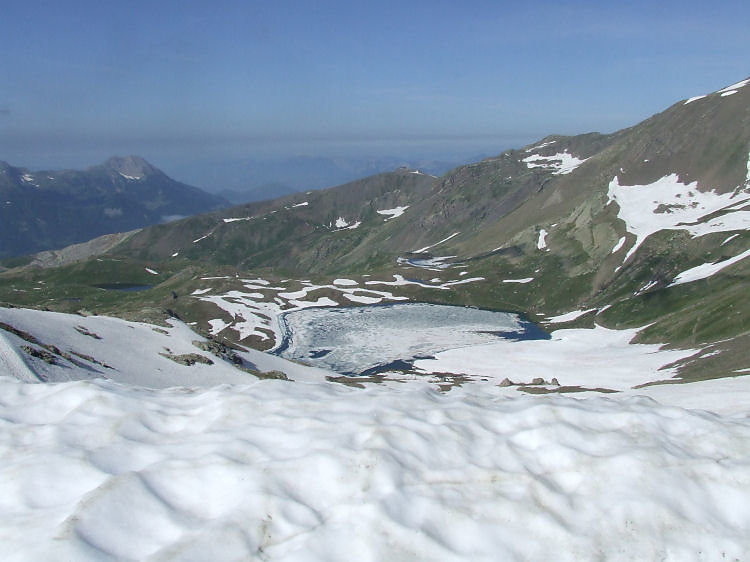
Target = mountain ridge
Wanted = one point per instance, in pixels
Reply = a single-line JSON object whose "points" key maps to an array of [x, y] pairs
{"points": [[645, 228], [52, 209]]}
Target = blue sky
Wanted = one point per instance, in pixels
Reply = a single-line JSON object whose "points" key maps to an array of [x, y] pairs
{"points": [[179, 81]]}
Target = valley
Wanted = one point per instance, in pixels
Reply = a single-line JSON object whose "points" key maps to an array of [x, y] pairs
{"points": [[542, 352]]}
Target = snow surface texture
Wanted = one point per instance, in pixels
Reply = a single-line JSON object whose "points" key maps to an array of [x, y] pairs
{"points": [[126, 352], [561, 163], [275, 471], [668, 204]]}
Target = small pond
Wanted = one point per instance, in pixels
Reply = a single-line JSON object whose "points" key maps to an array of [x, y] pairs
{"points": [[370, 339]]}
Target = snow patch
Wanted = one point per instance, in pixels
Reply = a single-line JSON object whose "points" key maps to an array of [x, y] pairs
{"points": [[342, 224], [562, 163], [151, 271], [569, 316], [736, 86], [393, 213], [524, 280], [235, 219], [694, 98], [540, 146], [706, 270], [541, 243], [423, 250], [669, 204], [590, 358], [620, 244]]}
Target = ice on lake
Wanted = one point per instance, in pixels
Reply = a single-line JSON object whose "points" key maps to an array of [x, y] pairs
{"points": [[355, 340]]}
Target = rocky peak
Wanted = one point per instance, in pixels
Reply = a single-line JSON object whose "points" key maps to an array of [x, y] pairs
{"points": [[130, 167]]}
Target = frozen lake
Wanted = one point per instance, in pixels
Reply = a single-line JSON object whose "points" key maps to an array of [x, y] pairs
{"points": [[363, 340]]}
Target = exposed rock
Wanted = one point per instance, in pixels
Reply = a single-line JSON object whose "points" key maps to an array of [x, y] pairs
{"points": [[86, 332], [42, 354], [218, 349], [188, 359]]}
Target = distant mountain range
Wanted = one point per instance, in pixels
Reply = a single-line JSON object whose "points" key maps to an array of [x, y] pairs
{"points": [[53, 209], [258, 179]]}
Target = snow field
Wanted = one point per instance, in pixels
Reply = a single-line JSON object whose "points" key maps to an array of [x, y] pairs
{"points": [[393, 213], [706, 270], [589, 358], [668, 204], [561, 163], [272, 471]]}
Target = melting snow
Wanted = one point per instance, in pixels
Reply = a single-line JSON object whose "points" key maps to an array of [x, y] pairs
{"points": [[422, 250], [345, 282], [736, 86], [342, 224], [732, 237], [669, 204], [620, 244], [706, 270], [597, 357], [728, 91], [540, 146], [542, 241], [393, 213], [524, 280], [151, 271], [694, 98], [399, 281], [562, 163], [569, 316]]}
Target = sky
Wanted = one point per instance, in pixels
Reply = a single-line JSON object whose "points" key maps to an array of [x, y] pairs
{"points": [[183, 82]]}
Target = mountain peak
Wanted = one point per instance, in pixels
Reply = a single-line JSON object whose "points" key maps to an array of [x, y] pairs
{"points": [[131, 167]]}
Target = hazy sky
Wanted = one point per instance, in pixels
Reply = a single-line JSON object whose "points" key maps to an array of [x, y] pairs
{"points": [[172, 80]]}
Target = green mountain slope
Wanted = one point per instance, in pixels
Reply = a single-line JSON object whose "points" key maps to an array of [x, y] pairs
{"points": [[644, 226]]}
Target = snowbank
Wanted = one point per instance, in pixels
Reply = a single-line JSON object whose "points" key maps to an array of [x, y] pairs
{"points": [[269, 471]]}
